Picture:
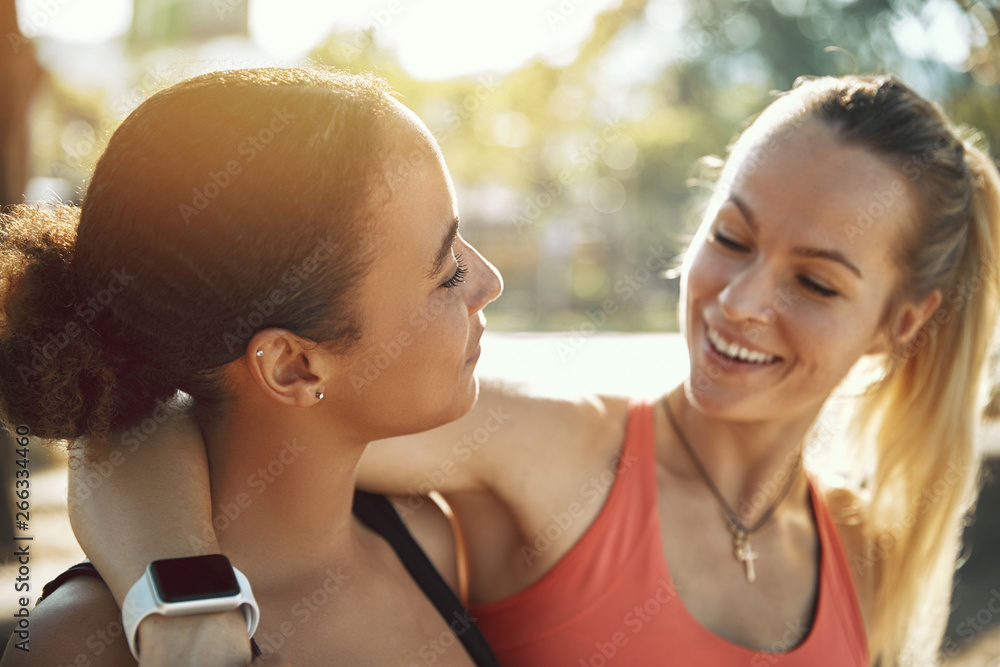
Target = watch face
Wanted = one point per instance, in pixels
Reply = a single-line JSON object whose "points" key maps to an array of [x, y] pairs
{"points": [[195, 578]]}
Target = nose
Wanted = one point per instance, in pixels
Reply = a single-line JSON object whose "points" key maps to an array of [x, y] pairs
{"points": [[748, 295], [486, 282]]}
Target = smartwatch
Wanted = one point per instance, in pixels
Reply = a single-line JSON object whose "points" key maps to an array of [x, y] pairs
{"points": [[185, 586]]}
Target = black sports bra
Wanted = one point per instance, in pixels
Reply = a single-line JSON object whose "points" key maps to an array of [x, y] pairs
{"points": [[376, 512]]}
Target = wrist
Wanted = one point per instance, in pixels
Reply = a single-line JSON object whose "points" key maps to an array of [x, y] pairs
{"points": [[181, 587], [216, 639]]}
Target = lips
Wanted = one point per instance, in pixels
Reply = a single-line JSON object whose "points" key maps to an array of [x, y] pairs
{"points": [[730, 349], [474, 357]]}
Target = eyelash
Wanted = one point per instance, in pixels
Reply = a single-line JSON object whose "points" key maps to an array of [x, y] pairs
{"points": [[805, 282], [459, 276], [728, 242]]}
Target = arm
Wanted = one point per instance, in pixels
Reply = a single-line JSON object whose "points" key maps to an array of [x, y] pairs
{"points": [[525, 451], [509, 437], [77, 625], [111, 504], [148, 496]]}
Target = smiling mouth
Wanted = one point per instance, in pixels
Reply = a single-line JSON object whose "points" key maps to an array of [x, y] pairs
{"points": [[737, 352]]}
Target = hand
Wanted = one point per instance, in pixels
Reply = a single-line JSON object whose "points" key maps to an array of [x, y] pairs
{"points": [[201, 640]]}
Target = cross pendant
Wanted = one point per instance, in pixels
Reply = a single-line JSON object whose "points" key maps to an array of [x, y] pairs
{"points": [[743, 551]]}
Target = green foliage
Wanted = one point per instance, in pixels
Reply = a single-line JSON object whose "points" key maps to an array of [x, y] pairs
{"points": [[572, 179]]}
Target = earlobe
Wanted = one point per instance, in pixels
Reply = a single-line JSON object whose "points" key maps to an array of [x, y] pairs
{"points": [[286, 368]]}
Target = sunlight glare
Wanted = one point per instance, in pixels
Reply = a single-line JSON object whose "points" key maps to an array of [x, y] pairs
{"points": [[81, 21], [434, 39]]}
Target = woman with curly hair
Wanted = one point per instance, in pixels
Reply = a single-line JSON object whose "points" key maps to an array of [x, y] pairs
{"points": [[251, 238]]}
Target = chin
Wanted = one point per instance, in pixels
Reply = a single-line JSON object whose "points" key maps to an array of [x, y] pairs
{"points": [[713, 401], [467, 399], [460, 405]]}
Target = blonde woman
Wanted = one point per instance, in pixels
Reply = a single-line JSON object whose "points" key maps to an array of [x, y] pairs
{"points": [[851, 220]]}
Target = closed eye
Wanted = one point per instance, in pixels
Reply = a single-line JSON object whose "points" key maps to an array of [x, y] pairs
{"points": [[459, 276], [728, 242], [816, 287]]}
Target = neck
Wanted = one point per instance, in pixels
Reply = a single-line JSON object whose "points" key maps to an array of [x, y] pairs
{"points": [[750, 463], [281, 478]]}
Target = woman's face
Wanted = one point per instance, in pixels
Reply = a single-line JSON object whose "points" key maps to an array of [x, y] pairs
{"points": [[787, 281], [421, 301]]}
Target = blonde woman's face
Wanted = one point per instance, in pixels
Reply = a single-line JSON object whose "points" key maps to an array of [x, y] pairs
{"points": [[785, 286]]}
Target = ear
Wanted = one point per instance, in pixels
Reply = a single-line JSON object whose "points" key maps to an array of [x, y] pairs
{"points": [[911, 316], [287, 367]]}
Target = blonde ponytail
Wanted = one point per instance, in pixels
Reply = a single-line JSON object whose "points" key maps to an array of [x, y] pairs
{"points": [[923, 417]]}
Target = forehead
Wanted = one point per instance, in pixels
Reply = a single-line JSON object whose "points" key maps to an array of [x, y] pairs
{"points": [[802, 181], [407, 233], [419, 202]]}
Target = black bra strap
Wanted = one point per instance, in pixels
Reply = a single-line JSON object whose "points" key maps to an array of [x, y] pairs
{"points": [[86, 568], [378, 514]]}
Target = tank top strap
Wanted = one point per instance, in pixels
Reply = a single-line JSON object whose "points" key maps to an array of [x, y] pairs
{"points": [[639, 449], [837, 580]]}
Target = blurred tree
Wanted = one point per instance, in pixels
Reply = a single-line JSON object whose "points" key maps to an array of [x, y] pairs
{"points": [[984, 62], [573, 175], [19, 77]]}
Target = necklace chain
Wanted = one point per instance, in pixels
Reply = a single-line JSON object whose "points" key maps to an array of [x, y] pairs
{"points": [[740, 532]]}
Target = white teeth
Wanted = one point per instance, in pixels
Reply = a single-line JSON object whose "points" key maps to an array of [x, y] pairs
{"points": [[734, 351]]}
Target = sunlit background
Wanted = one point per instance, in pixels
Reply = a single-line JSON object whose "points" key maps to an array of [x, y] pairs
{"points": [[619, 98], [572, 128]]}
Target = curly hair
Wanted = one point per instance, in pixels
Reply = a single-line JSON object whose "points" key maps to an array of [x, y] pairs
{"points": [[228, 203]]}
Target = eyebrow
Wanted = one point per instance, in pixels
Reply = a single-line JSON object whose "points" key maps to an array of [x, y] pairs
{"points": [[801, 251], [445, 251]]}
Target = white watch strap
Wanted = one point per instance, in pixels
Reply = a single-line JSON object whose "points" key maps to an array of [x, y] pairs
{"points": [[251, 612], [140, 602]]}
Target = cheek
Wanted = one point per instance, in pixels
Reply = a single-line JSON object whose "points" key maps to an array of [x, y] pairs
{"points": [[831, 338], [443, 335], [706, 275]]}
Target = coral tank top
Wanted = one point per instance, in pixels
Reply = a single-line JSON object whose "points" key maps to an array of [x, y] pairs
{"points": [[611, 600]]}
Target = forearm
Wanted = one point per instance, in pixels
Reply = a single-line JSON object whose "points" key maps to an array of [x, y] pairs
{"points": [[144, 499]]}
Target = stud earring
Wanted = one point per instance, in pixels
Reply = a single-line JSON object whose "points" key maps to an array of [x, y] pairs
{"points": [[319, 395], [260, 353]]}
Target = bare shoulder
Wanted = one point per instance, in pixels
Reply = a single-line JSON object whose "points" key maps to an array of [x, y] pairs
{"points": [[849, 513], [543, 428], [79, 624], [513, 426], [537, 415]]}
